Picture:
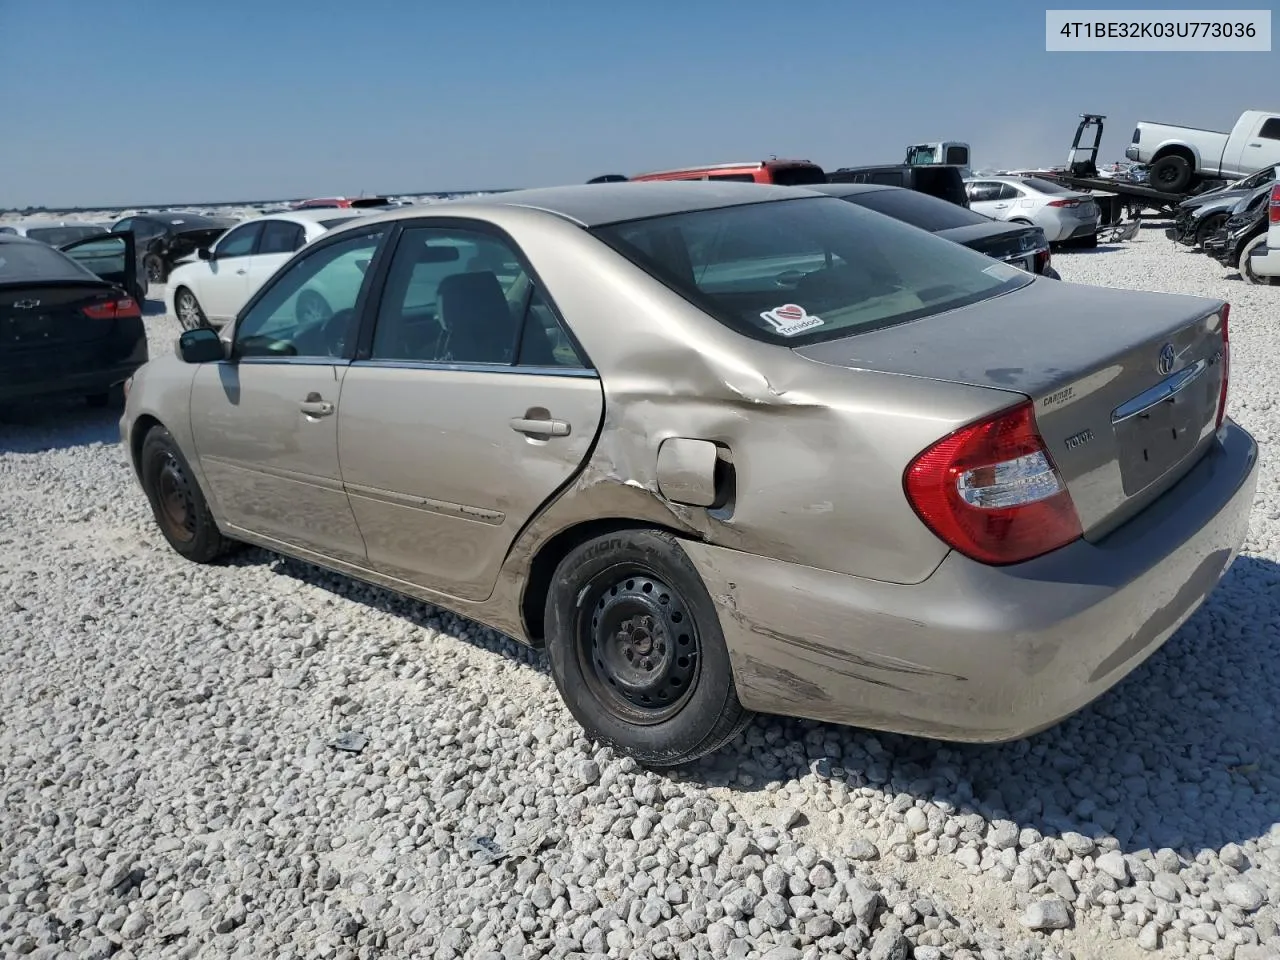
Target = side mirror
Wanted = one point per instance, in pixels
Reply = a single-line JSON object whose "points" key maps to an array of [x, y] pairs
{"points": [[204, 253], [201, 345]]}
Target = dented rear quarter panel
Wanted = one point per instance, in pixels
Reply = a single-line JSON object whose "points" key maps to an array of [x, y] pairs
{"points": [[818, 452]]}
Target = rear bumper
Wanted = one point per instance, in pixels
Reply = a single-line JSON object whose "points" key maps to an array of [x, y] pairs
{"points": [[68, 384], [978, 653], [1265, 261]]}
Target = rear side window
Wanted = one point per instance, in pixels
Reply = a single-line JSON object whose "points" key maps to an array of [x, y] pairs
{"points": [[1271, 129], [801, 271], [1045, 186], [890, 178], [944, 182], [958, 155], [733, 177], [797, 176], [35, 261], [918, 209], [280, 236]]}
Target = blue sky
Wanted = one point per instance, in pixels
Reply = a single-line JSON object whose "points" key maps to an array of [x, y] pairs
{"points": [[206, 100]]}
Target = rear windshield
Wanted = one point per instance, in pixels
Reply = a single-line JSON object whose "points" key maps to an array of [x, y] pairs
{"points": [[330, 224], [1045, 186], [58, 236], [797, 176], [35, 261], [801, 271], [918, 209]]}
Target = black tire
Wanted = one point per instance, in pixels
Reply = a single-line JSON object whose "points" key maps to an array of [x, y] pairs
{"points": [[1086, 243], [187, 307], [112, 398], [1246, 272], [179, 506], [637, 652], [1210, 225], [155, 268], [1171, 174]]}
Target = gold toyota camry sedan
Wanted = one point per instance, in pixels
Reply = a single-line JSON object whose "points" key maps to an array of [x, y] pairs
{"points": [[720, 448]]}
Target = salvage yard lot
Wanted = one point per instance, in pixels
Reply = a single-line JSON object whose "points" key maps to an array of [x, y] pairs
{"points": [[171, 788]]}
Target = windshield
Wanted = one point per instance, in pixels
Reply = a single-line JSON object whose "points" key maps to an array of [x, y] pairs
{"points": [[918, 209], [60, 236], [1257, 179], [801, 271]]}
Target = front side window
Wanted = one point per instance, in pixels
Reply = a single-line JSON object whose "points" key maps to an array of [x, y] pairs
{"points": [[309, 309], [801, 271], [239, 242], [458, 296]]}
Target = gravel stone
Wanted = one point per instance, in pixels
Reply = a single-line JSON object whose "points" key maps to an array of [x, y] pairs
{"points": [[1244, 895], [1048, 914]]}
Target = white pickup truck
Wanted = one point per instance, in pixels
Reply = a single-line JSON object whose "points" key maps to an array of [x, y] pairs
{"points": [[1181, 156]]}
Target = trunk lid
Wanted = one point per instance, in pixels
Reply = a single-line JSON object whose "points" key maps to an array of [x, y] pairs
{"points": [[37, 317], [1012, 244], [1125, 384]]}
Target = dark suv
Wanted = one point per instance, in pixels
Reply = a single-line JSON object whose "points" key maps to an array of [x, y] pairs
{"points": [[942, 180]]}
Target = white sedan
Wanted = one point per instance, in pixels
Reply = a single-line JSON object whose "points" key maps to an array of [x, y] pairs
{"points": [[1062, 213], [210, 290]]}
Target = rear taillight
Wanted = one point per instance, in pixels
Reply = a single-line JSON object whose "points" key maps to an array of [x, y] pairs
{"points": [[1064, 203], [1042, 260], [1273, 212], [1226, 366], [121, 308], [991, 491]]}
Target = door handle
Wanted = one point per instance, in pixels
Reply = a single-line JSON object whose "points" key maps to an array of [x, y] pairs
{"points": [[1001, 206], [242, 271], [540, 428], [1255, 144], [316, 408]]}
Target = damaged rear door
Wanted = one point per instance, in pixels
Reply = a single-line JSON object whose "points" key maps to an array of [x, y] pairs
{"points": [[464, 412]]}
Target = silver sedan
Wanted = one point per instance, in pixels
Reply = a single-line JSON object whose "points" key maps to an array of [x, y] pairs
{"points": [[720, 448], [1062, 213]]}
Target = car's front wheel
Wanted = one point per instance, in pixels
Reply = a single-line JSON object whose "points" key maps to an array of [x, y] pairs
{"points": [[637, 652], [177, 501]]}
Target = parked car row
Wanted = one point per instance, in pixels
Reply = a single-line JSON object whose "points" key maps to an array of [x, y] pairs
{"points": [[557, 380], [1235, 225]]}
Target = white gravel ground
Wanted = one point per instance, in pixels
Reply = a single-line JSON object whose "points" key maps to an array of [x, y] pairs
{"points": [[171, 788]]}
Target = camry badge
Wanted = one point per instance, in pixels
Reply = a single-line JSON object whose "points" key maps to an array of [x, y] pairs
{"points": [[1167, 358], [26, 304]]}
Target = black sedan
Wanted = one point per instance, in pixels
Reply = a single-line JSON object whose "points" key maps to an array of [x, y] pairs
{"points": [[165, 238], [1017, 244], [69, 326]]}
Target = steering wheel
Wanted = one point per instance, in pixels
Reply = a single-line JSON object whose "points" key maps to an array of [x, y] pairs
{"points": [[336, 330]]}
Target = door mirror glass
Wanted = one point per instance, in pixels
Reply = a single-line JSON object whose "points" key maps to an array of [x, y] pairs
{"points": [[204, 253], [202, 345]]}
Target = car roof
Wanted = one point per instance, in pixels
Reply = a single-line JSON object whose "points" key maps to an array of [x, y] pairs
{"points": [[597, 204], [310, 215]]}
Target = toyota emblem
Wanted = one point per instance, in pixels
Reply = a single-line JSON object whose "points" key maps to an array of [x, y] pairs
{"points": [[1167, 359]]}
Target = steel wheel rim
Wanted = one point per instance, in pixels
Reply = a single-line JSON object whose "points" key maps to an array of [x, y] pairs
{"points": [[173, 496], [153, 269], [188, 312], [638, 645]]}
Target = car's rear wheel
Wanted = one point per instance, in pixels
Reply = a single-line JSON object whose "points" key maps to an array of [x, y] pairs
{"points": [[1171, 174], [1246, 269], [637, 652], [190, 314], [177, 501]]}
